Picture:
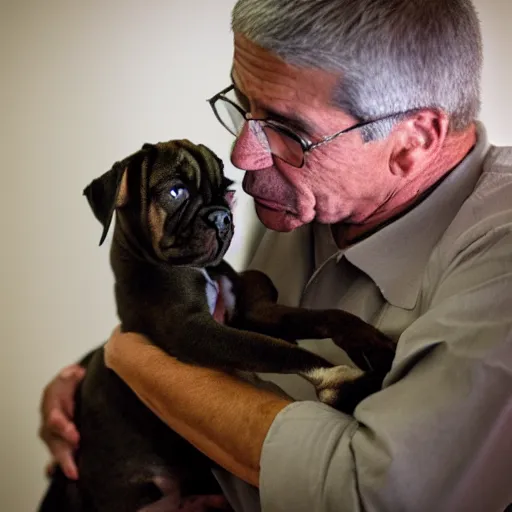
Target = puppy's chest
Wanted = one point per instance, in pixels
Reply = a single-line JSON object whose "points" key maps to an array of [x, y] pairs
{"points": [[213, 288]]}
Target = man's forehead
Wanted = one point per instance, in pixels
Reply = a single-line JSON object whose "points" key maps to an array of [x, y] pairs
{"points": [[258, 72]]}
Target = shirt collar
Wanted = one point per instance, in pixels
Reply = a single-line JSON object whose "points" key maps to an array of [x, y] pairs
{"points": [[396, 255]]}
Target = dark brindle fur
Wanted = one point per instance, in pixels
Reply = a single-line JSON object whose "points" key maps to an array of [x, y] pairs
{"points": [[172, 219]]}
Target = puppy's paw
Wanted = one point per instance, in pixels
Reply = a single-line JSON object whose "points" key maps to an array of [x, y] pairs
{"points": [[329, 381]]}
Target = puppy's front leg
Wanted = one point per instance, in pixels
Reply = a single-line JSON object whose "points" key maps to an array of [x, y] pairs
{"points": [[203, 341], [257, 310], [341, 387], [207, 343], [364, 344]]}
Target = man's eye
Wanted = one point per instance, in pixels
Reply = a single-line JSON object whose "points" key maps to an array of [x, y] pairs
{"points": [[178, 193]]}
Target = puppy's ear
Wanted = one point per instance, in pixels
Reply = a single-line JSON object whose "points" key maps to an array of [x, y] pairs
{"points": [[107, 193]]}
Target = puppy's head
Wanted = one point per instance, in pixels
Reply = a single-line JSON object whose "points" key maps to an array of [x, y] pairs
{"points": [[172, 199]]}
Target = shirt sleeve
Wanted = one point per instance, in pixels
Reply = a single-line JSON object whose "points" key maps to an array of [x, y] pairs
{"points": [[438, 436]]}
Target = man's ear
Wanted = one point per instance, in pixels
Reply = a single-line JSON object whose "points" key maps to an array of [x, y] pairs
{"points": [[418, 141], [107, 193]]}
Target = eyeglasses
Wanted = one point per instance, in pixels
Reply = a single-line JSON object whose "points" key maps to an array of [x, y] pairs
{"points": [[281, 141]]}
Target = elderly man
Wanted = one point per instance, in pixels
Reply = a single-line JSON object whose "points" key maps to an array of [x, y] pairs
{"points": [[356, 123]]}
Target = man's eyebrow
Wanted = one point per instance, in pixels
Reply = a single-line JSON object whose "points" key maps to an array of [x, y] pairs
{"points": [[290, 120]]}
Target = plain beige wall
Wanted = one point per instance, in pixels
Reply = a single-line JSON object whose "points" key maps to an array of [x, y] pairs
{"points": [[84, 84]]}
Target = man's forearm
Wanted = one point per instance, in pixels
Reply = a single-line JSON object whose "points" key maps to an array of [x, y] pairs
{"points": [[224, 417]]}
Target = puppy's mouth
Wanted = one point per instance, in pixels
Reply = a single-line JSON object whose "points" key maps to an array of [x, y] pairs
{"points": [[217, 246], [203, 250], [216, 251]]}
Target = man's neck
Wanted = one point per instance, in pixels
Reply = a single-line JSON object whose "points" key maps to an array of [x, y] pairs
{"points": [[456, 148]]}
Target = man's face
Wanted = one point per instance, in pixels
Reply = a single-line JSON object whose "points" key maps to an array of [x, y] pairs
{"points": [[344, 180]]}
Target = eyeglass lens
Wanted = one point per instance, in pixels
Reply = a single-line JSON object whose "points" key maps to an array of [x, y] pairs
{"points": [[280, 144]]}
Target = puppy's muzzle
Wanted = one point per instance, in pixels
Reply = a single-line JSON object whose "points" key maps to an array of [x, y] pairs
{"points": [[220, 219]]}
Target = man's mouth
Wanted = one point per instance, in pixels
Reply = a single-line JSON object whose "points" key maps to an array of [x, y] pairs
{"points": [[263, 202], [270, 205]]}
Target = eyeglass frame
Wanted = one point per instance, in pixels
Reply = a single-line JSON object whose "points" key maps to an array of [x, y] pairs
{"points": [[306, 145]]}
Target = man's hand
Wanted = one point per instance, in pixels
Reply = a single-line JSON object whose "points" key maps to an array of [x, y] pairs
{"points": [[57, 429]]}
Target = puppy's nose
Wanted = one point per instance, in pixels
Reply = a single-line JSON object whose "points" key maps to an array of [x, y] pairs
{"points": [[221, 220]]}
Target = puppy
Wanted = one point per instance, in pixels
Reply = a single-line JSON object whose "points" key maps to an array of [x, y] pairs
{"points": [[173, 227]]}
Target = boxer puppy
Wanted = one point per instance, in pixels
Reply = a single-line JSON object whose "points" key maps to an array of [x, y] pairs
{"points": [[173, 226]]}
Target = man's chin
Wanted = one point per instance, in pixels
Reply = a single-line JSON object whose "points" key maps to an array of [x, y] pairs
{"points": [[282, 221]]}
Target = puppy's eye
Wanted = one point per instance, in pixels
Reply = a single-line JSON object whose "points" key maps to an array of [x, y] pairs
{"points": [[178, 193]]}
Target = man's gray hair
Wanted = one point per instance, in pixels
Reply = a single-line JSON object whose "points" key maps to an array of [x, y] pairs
{"points": [[393, 55]]}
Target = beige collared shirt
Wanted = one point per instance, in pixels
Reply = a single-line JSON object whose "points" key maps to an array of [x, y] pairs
{"points": [[438, 436]]}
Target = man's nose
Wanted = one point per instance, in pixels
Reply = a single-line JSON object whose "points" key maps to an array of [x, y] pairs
{"points": [[250, 151]]}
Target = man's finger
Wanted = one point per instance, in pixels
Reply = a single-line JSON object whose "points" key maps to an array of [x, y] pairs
{"points": [[59, 425], [62, 454], [73, 372], [64, 457], [70, 378]]}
